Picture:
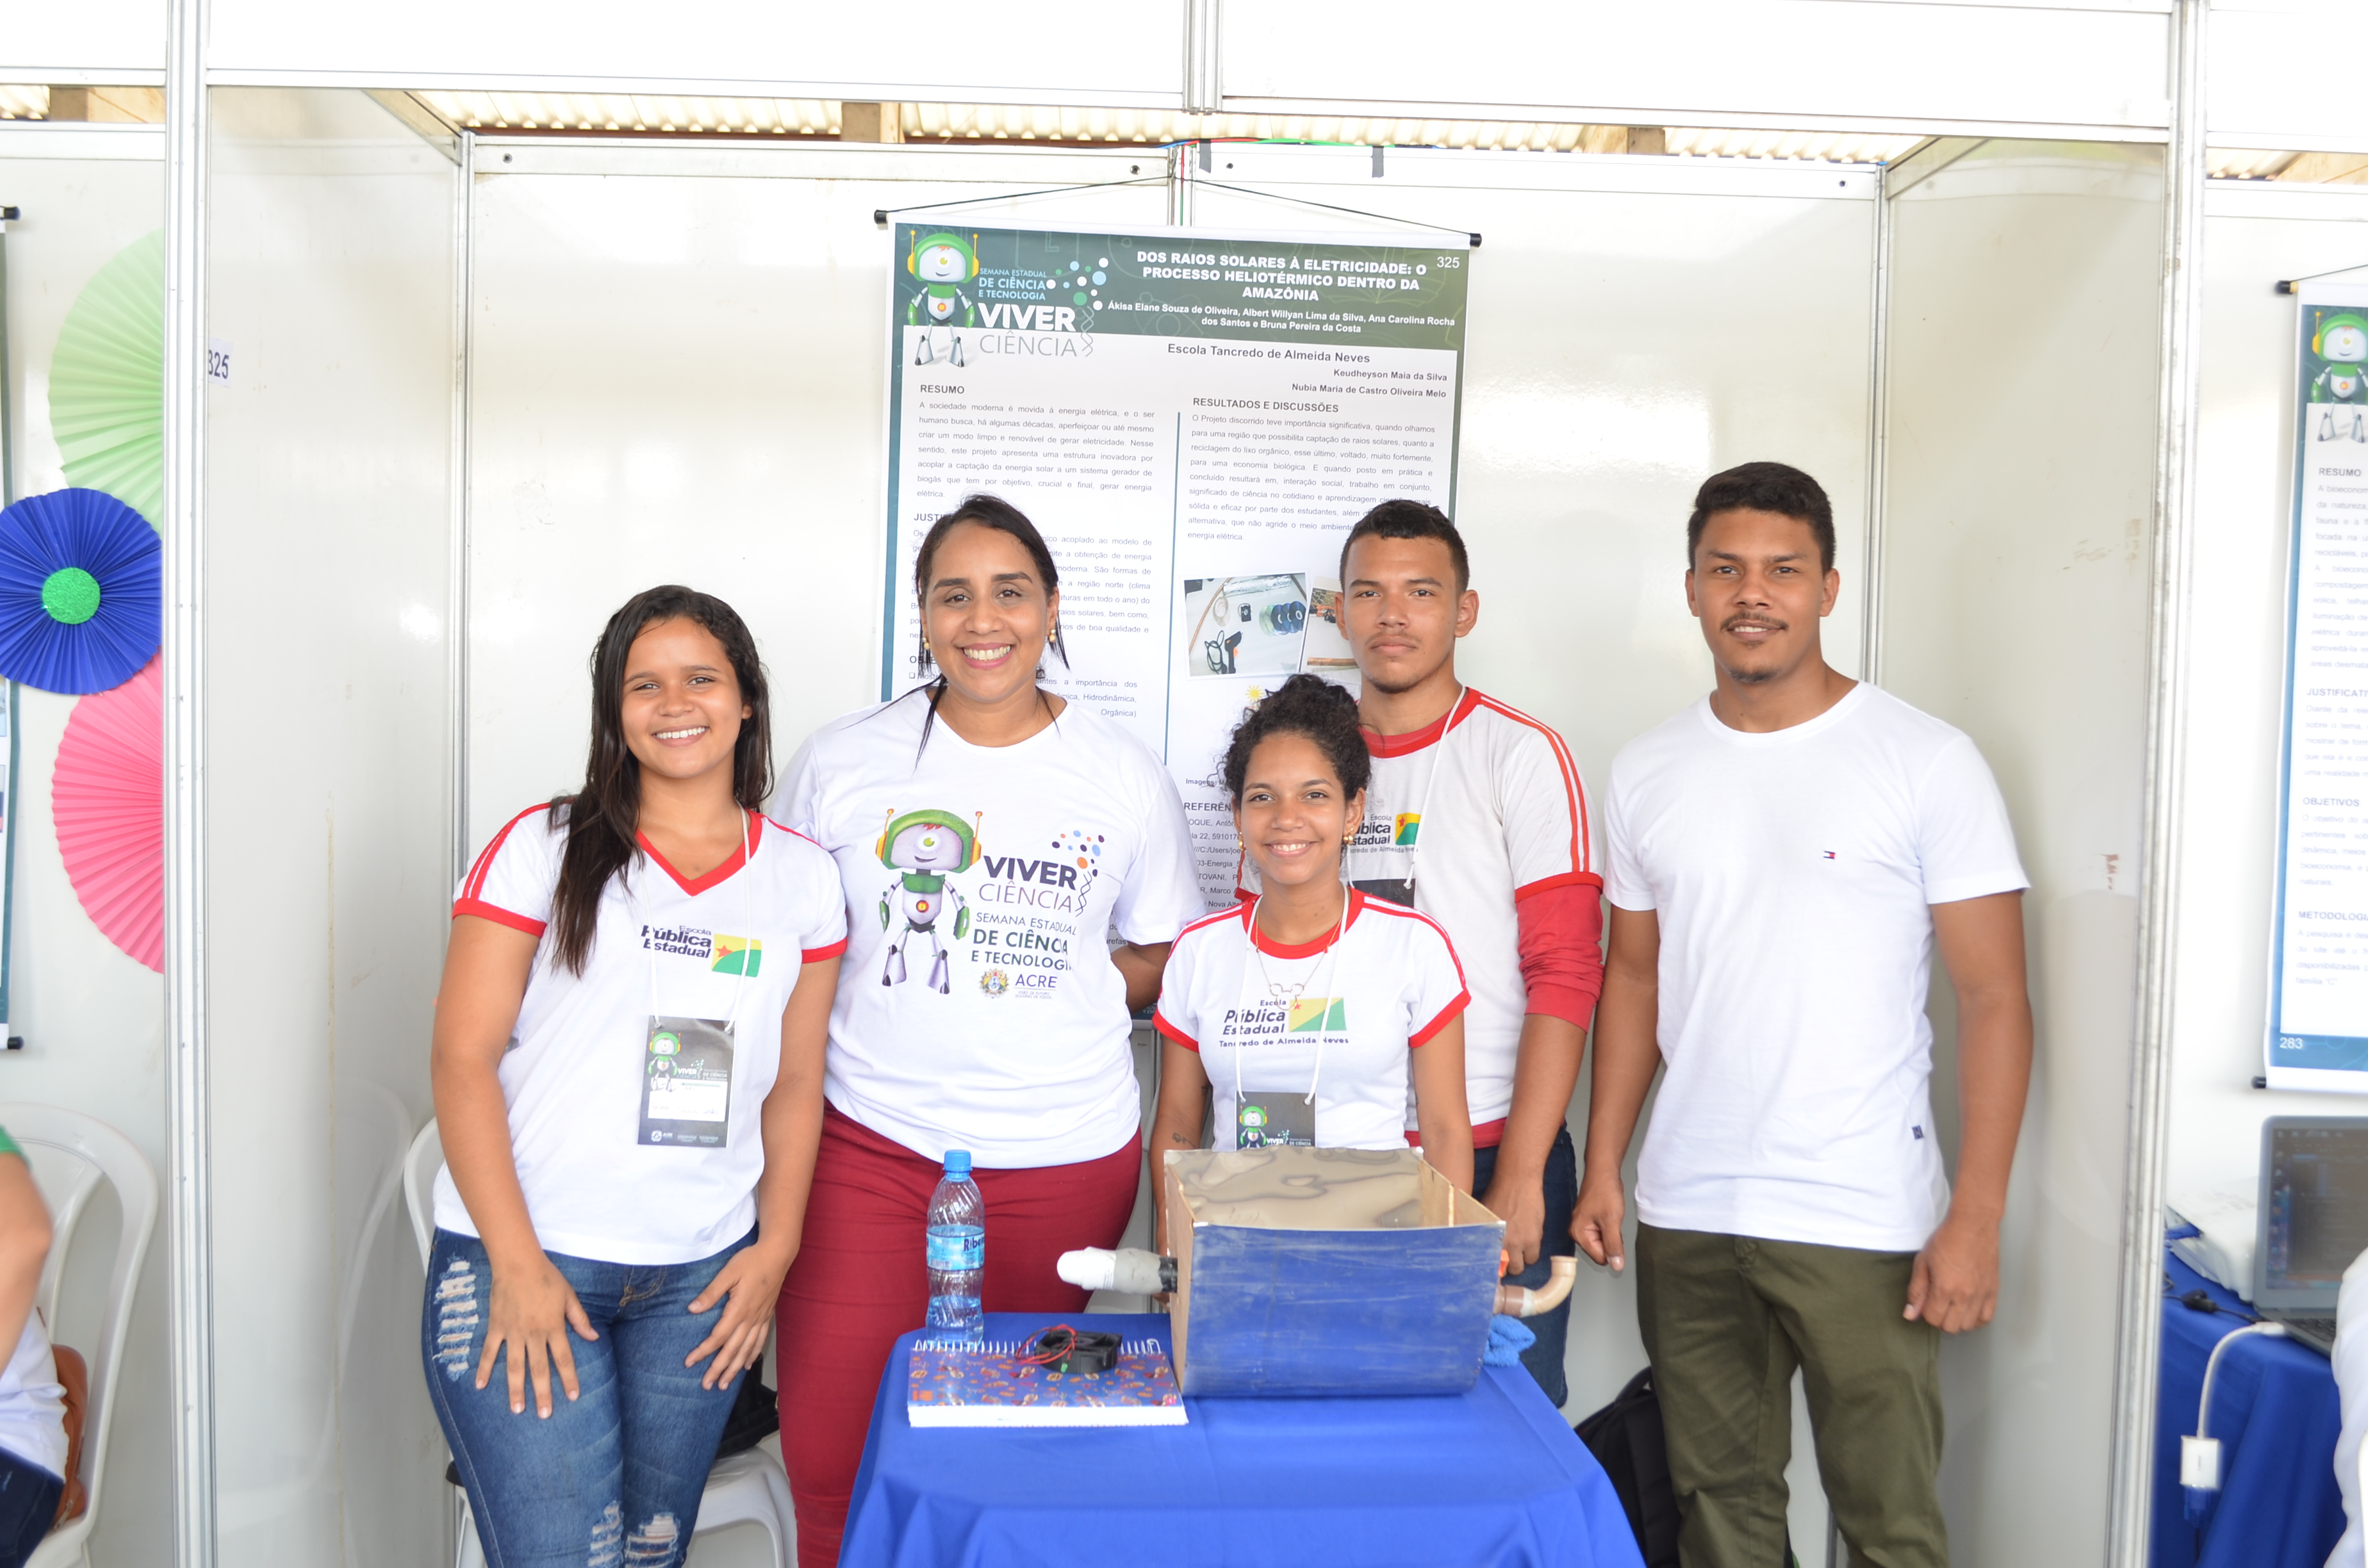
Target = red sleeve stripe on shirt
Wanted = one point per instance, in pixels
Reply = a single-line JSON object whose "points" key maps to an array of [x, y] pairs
{"points": [[1159, 1021], [818, 955], [778, 826], [1565, 879], [476, 882], [1446, 1016], [1582, 847], [498, 915]]}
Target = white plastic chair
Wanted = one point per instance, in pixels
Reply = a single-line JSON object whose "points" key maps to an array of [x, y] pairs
{"points": [[747, 1488], [70, 1153]]}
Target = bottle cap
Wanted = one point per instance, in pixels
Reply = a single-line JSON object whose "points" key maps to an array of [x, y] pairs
{"points": [[958, 1165]]}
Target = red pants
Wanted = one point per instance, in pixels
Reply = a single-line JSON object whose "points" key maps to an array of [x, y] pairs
{"points": [[861, 1280]]}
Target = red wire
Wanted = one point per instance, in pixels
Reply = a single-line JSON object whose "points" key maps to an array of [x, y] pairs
{"points": [[1046, 1357]]}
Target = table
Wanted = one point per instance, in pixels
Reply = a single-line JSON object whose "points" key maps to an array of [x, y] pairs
{"points": [[1489, 1476], [2274, 1411]]}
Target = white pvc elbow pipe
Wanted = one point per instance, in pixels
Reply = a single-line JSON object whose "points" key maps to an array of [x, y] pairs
{"points": [[1521, 1301]]}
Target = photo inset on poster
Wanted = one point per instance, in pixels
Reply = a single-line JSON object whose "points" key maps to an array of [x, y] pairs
{"points": [[1245, 626], [1327, 645]]}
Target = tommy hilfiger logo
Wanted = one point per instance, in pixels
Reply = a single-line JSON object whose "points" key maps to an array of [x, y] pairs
{"points": [[1829, 854]]}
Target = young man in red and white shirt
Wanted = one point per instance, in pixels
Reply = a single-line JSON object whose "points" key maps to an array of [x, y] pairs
{"points": [[1476, 817]]}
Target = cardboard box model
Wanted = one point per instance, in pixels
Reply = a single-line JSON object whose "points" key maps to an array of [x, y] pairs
{"points": [[1326, 1271]]}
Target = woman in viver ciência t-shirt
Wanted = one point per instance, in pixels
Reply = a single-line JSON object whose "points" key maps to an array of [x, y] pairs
{"points": [[990, 838], [628, 1072], [1309, 1011]]}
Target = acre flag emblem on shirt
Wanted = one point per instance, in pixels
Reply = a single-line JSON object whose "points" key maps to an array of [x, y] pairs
{"points": [[1310, 1015], [738, 955]]}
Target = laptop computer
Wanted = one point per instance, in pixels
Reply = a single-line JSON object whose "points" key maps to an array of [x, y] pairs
{"points": [[2313, 1220]]}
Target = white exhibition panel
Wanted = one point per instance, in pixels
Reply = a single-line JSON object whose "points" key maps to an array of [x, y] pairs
{"points": [[92, 1017], [1123, 56], [1789, 62], [120, 41], [328, 553], [2255, 235], [2280, 74], [2025, 320]]}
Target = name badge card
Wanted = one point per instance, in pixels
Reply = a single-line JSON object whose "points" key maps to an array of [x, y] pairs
{"points": [[1275, 1121], [687, 1084]]}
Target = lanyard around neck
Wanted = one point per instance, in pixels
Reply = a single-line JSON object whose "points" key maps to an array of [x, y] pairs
{"points": [[650, 945], [1331, 972], [1430, 786]]}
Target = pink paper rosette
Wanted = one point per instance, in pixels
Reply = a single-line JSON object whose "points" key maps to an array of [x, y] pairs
{"points": [[108, 799]]}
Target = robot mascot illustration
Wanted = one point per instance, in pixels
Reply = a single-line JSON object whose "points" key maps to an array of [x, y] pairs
{"points": [[943, 263], [2343, 341], [924, 848]]}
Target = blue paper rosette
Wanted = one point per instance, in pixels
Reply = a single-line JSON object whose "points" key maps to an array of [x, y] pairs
{"points": [[82, 591]]}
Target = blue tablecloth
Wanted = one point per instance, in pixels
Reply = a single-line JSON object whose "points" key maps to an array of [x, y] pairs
{"points": [[2274, 1411], [1492, 1476]]}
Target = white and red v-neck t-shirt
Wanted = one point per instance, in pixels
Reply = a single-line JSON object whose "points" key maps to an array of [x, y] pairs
{"points": [[1484, 811], [1257, 1010], [729, 944]]}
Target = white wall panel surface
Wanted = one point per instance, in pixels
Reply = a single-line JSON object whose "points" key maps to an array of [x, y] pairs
{"points": [[328, 547], [92, 1017], [2024, 325], [86, 40], [680, 376], [2278, 74], [1121, 55], [1714, 61], [2254, 235]]}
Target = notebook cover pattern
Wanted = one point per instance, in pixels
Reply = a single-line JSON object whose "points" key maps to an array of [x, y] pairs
{"points": [[987, 1385]]}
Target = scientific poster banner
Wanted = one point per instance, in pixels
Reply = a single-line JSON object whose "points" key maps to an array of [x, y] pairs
{"points": [[1194, 419], [2318, 981]]}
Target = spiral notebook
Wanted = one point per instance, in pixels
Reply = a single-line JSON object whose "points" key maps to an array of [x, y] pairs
{"points": [[989, 1385]]}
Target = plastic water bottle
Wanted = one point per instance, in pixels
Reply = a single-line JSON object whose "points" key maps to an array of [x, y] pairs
{"points": [[957, 1254]]}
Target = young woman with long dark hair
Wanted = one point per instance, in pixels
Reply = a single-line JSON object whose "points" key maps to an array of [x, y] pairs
{"points": [[989, 837], [628, 1073]]}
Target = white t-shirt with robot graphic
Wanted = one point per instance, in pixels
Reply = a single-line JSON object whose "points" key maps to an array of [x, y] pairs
{"points": [[978, 1008]]}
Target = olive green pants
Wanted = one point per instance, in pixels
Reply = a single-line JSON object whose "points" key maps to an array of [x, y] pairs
{"points": [[1726, 1319]]}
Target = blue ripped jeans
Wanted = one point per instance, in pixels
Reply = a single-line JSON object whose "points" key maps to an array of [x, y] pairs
{"points": [[613, 1479]]}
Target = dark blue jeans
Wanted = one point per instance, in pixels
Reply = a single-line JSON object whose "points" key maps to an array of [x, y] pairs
{"points": [[1544, 1359], [28, 1501], [613, 1479]]}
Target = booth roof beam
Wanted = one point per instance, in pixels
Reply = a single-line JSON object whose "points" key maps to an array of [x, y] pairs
{"points": [[1070, 125]]}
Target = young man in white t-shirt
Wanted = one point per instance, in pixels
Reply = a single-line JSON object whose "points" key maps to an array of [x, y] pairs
{"points": [[1782, 858], [1476, 817]]}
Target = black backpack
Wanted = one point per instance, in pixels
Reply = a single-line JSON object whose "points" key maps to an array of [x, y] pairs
{"points": [[1625, 1438]]}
